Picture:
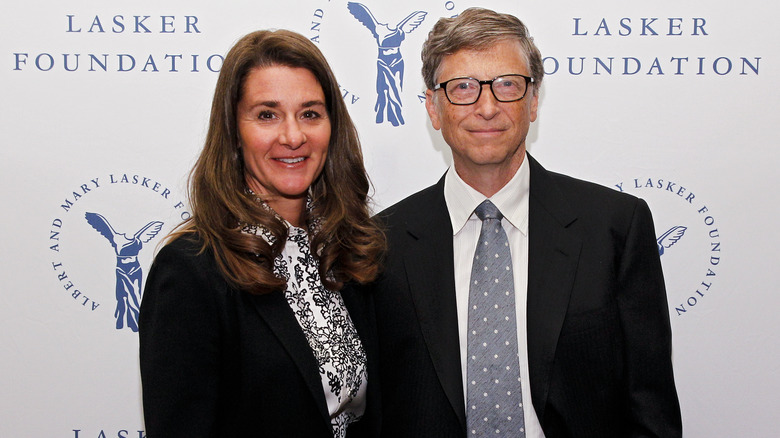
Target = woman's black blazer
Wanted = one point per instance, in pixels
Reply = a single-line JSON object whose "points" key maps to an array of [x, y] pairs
{"points": [[220, 362]]}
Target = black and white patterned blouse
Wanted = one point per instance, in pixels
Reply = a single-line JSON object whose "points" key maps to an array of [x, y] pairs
{"points": [[324, 319]]}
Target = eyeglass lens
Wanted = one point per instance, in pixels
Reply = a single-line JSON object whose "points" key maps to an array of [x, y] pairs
{"points": [[467, 90]]}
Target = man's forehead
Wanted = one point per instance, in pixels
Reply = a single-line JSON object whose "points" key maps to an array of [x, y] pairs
{"points": [[468, 61]]}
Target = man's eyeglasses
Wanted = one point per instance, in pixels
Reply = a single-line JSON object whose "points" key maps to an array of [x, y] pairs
{"points": [[466, 91]]}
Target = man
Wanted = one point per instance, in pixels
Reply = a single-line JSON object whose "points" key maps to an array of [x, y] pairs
{"points": [[579, 341]]}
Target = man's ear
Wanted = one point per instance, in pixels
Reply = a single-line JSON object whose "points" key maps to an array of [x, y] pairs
{"points": [[430, 106], [534, 106]]}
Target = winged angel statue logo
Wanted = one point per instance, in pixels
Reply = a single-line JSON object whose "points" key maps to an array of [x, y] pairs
{"points": [[389, 63], [129, 276]]}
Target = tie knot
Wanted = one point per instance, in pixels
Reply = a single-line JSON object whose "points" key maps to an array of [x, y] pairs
{"points": [[486, 210]]}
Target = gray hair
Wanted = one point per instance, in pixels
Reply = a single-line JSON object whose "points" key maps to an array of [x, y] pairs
{"points": [[477, 28]]}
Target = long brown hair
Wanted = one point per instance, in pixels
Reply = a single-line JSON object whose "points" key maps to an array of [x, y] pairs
{"points": [[349, 244]]}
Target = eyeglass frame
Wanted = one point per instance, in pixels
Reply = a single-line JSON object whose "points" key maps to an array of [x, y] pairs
{"points": [[443, 86]]}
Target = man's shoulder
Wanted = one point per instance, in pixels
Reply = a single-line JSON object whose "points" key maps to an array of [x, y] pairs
{"points": [[567, 197], [413, 204], [578, 186], [592, 203], [579, 191]]}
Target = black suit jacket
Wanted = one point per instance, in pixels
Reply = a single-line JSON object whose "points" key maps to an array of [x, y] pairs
{"points": [[219, 362], [599, 338]]}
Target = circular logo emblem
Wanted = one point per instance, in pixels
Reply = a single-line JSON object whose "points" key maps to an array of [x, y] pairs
{"points": [[689, 241], [384, 41], [101, 242]]}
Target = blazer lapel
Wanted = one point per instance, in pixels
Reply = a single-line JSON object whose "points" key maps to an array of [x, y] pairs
{"points": [[359, 303], [553, 255], [273, 308], [428, 260]]}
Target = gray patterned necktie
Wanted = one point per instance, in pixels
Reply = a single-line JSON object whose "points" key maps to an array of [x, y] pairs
{"points": [[495, 404]]}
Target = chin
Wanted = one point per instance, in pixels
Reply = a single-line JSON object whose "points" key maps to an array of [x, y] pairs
{"points": [[294, 194]]}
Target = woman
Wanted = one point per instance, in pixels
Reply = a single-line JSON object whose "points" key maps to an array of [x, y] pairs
{"points": [[243, 330]]}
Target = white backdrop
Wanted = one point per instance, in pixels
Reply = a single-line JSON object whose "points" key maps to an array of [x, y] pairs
{"points": [[104, 111]]}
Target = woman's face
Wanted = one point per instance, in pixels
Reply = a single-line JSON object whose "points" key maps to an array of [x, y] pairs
{"points": [[284, 130]]}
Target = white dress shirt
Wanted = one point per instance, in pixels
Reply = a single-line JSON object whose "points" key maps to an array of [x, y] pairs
{"points": [[512, 201]]}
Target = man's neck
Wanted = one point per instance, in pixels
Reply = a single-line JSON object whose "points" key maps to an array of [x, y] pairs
{"points": [[489, 179]]}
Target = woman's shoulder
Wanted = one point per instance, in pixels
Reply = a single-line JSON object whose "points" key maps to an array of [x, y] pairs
{"points": [[183, 269], [188, 243], [185, 248], [186, 255]]}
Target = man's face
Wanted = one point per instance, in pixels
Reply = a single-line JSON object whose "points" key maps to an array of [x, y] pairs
{"points": [[488, 136]]}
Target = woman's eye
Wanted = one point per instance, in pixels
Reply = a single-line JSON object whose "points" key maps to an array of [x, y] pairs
{"points": [[311, 114], [265, 115]]}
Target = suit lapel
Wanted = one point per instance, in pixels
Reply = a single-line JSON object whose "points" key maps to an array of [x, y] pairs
{"points": [[553, 255], [275, 311], [359, 303], [428, 261], [553, 258]]}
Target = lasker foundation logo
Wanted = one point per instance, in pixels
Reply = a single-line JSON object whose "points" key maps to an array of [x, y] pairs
{"points": [[688, 238], [101, 242], [390, 62], [377, 36]]}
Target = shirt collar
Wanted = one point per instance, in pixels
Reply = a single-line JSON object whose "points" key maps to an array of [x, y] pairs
{"points": [[293, 233], [511, 200]]}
